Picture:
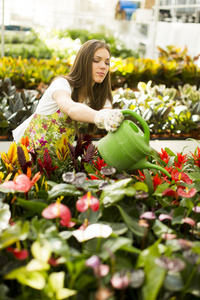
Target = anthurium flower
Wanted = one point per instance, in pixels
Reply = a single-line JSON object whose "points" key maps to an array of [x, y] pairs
{"points": [[196, 209], [120, 281], [92, 231], [175, 264], [180, 176], [143, 223], [100, 270], [168, 236], [163, 217], [185, 192], [189, 221], [170, 192], [57, 210], [149, 215], [19, 254], [87, 201], [21, 183]]}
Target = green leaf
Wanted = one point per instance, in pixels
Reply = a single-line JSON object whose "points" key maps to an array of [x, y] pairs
{"points": [[141, 186], [173, 282], [160, 189], [18, 231], [35, 207], [159, 228], [33, 279], [194, 175], [154, 275], [63, 189], [5, 215], [131, 223]]}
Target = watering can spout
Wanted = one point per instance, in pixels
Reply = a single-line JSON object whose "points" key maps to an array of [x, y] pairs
{"points": [[143, 164], [126, 149]]}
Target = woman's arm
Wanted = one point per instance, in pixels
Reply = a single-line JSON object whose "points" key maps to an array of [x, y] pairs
{"points": [[75, 110]]}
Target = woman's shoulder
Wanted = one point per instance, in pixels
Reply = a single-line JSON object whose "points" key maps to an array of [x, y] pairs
{"points": [[60, 83]]}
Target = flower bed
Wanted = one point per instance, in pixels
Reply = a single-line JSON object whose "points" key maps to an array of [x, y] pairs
{"points": [[73, 227]]}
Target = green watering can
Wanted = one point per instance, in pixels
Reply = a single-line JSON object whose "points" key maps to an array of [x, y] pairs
{"points": [[126, 149]]}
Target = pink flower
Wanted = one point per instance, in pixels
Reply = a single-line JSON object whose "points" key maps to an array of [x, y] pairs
{"points": [[22, 183], [168, 236], [87, 201], [19, 254], [185, 192], [163, 217], [57, 210], [170, 192], [180, 176], [120, 282], [196, 209], [100, 270], [148, 215], [143, 223], [189, 221]]}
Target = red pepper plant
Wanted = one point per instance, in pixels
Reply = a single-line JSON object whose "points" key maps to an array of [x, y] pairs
{"points": [[72, 227]]}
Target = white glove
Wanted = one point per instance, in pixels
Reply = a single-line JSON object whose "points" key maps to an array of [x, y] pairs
{"points": [[109, 119]]}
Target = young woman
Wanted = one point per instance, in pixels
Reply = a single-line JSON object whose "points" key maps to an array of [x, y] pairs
{"points": [[84, 95]]}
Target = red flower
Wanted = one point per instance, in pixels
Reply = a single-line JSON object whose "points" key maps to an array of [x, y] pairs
{"points": [[185, 192], [180, 176], [99, 163], [180, 160], [170, 192], [196, 157], [157, 181], [164, 155], [19, 254], [57, 210], [87, 201]]}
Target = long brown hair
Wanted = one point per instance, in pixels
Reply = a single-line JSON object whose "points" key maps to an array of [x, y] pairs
{"points": [[81, 75]]}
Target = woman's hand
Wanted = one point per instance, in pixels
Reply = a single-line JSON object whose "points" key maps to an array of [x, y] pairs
{"points": [[109, 119]]}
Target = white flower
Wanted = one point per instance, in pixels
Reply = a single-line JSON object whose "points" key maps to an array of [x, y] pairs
{"points": [[92, 231]]}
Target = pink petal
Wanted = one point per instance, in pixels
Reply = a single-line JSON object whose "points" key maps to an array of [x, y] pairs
{"points": [[23, 182], [11, 185], [163, 217], [94, 204], [186, 193], [103, 270], [56, 210], [189, 221], [120, 282], [81, 205], [168, 236], [196, 209], [148, 215]]}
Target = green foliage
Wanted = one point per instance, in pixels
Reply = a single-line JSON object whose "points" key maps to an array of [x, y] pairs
{"points": [[147, 240]]}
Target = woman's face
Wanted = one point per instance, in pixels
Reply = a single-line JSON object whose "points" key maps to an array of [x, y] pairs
{"points": [[100, 65]]}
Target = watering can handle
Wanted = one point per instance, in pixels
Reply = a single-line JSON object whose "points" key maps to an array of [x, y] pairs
{"points": [[141, 121]]}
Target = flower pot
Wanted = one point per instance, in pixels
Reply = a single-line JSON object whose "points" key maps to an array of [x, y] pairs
{"points": [[4, 137]]}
